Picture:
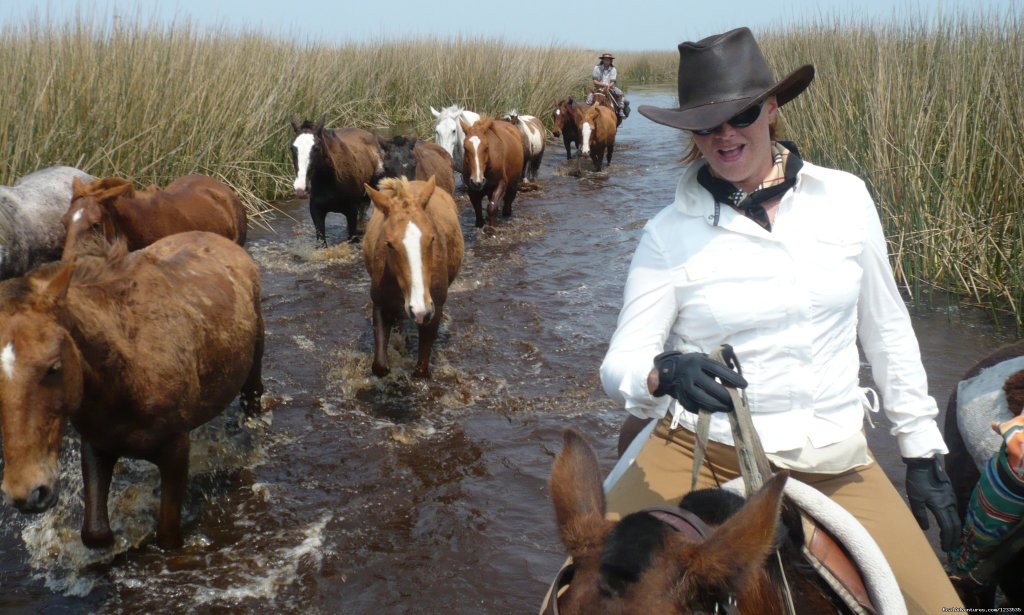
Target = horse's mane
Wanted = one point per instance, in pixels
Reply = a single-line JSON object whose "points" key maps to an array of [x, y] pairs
{"points": [[102, 189], [396, 188], [307, 125]]}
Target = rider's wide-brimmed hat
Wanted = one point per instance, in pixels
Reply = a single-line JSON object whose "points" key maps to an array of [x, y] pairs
{"points": [[723, 75], [606, 55]]}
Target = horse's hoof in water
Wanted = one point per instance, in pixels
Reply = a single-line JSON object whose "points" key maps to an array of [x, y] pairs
{"points": [[170, 542], [422, 373], [98, 540], [379, 370], [489, 230], [250, 404]]}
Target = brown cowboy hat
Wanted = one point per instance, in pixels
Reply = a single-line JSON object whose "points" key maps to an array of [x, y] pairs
{"points": [[605, 55], [723, 75]]}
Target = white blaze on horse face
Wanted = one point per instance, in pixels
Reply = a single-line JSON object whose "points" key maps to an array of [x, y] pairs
{"points": [[303, 145], [585, 137], [476, 175], [411, 241], [7, 360]]}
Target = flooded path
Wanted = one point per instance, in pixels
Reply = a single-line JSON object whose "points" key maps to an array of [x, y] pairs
{"points": [[360, 495]]}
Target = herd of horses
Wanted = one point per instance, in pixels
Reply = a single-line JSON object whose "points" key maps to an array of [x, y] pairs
{"points": [[135, 314]]}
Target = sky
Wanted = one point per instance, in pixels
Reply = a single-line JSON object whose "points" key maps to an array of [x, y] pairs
{"points": [[617, 26]]}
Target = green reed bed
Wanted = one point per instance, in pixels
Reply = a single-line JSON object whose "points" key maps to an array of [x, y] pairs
{"points": [[152, 102], [930, 115]]}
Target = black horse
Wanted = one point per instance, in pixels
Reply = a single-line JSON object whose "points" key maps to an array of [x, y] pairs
{"points": [[331, 169]]}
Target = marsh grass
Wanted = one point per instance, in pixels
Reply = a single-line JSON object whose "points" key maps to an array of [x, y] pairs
{"points": [[928, 113]]}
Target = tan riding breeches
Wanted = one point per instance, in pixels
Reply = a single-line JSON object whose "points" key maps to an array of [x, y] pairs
{"points": [[662, 472]]}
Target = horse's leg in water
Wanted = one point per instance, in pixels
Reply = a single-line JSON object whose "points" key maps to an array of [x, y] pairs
{"points": [[611, 148], [595, 157], [428, 333], [567, 141], [381, 336], [250, 398], [352, 221], [173, 465], [535, 166], [476, 197], [506, 208], [97, 470], [319, 216], [492, 201]]}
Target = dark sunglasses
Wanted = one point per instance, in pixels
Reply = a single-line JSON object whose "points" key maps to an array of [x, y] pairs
{"points": [[740, 120]]}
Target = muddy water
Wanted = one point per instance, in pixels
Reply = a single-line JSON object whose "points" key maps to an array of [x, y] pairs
{"points": [[359, 495]]}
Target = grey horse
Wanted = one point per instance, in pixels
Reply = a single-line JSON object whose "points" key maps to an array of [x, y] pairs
{"points": [[30, 228]]}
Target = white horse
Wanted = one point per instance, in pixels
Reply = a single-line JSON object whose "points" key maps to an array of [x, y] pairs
{"points": [[448, 133], [30, 228], [534, 135]]}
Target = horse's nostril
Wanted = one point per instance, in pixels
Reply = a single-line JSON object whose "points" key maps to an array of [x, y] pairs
{"points": [[41, 496]]}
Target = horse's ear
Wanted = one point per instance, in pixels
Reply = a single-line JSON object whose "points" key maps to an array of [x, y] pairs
{"points": [[114, 187], [380, 201], [295, 126], [484, 123], [427, 191], [577, 494], [736, 551], [434, 112], [319, 123], [54, 292], [77, 187], [465, 125]]}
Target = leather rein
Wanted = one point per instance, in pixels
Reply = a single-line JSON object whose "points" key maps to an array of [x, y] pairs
{"points": [[679, 519]]}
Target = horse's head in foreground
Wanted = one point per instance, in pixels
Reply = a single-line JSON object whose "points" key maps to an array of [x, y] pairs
{"points": [[476, 152], [89, 221], [41, 384], [306, 150], [641, 565]]}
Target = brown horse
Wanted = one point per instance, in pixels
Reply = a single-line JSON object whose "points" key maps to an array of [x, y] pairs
{"points": [[492, 165], [112, 207], [597, 125], [136, 349], [565, 125], [963, 471], [412, 158], [646, 563], [331, 167], [413, 251]]}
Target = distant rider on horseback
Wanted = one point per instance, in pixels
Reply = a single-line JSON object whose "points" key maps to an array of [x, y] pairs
{"points": [[604, 76]]}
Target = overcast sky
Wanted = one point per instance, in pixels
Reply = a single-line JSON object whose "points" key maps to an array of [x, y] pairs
{"points": [[618, 26]]}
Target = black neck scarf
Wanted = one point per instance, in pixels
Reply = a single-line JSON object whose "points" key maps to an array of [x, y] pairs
{"points": [[752, 204]]}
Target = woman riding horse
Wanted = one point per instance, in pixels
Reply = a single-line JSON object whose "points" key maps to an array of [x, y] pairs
{"points": [[786, 262]]}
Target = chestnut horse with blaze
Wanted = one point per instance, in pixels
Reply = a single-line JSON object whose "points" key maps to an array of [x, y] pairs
{"points": [[492, 165], [597, 126], [111, 207], [664, 560], [413, 251], [136, 349]]}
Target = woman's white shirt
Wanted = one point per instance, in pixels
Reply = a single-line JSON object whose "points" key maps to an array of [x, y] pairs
{"points": [[792, 302]]}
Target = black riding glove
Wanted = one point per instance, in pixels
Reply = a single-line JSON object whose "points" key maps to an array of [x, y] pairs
{"points": [[929, 487], [690, 379]]}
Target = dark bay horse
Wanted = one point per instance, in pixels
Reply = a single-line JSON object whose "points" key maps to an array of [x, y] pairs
{"points": [[136, 349], [597, 126], [565, 125], [112, 207], [413, 251], [331, 168], [493, 165], [963, 468], [412, 158], [30, 212], [643, 564]]}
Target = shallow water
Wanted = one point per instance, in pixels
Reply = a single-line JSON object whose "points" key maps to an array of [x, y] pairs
{"points": [[360, 495]]}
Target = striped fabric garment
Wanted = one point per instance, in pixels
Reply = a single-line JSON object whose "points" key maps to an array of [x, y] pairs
{"points": [[997, 503]]}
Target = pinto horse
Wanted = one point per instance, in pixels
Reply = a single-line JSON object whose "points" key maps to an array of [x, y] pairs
{"points": [[331, 167], [597, 125], [963, 466], [413, 251], [111, 207], [493, 158], [533, 133], [663, 561], [565, 125], [415, 159], [136, 349], [448, 131], [30, 211]]}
